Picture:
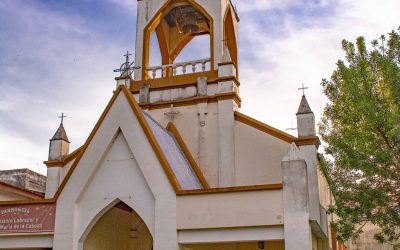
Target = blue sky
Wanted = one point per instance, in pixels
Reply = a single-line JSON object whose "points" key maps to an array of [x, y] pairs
{"points": [[59, 56]]}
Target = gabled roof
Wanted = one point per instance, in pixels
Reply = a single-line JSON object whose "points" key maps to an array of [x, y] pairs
{"points": [[304, 108], [179, 173], [60, 134]]}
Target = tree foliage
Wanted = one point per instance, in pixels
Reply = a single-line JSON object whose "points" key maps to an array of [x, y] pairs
{"points": [[361, 126]]}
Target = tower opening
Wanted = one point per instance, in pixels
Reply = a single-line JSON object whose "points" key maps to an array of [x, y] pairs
{"points": [[198, 47], [179, 25], [155, 53], [230, 40]]}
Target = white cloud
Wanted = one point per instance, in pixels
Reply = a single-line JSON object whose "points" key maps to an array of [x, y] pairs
{"points": [[40, 16], [305, 54], [259, 5], [26, 156], [247, 6]]}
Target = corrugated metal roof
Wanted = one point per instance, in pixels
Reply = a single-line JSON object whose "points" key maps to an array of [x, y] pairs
{"points": [[174, 154]]}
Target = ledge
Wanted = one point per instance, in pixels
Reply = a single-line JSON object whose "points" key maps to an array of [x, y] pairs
{"points": [[309, 140], [24, 202], [65, 161], [174, 81], [192, 101], [232, 189]]}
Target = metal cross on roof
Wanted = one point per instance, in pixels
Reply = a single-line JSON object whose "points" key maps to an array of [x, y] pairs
{"points": [[62, 117], [127, 67], [302, 88]]}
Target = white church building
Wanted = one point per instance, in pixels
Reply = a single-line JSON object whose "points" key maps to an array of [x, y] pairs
{"points": [[172, 164]]}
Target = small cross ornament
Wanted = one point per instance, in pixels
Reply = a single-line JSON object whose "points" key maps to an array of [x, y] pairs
{"points": [[62, 117], [302, 88], [127, 67], [170, 114]]}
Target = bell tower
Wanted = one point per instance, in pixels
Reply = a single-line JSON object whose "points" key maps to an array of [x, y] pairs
{"points": [[201, 95], [176, 23]]}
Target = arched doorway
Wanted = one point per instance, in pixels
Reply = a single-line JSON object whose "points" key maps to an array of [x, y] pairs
{"points": [[120, 228]]}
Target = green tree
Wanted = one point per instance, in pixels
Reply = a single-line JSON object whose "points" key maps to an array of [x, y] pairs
{"points": [[361, 126]]}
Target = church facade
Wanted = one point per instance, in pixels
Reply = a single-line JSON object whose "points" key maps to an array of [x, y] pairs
{"points": [[172, 163]]}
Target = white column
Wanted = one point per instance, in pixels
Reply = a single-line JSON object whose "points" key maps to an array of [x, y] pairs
{"points": [[226, 143], [52, 181], [226, 128], [309, 153], [297, 230]]}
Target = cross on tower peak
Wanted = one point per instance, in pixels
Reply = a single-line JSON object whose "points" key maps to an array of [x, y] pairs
{"points": [[62, 117], [127, 55], [303, 88], [126, 68]]}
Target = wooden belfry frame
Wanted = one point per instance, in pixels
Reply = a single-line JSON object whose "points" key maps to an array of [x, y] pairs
{"points": [[164, 10]]}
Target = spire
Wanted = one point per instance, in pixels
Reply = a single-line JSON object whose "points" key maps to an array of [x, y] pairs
{"points": [[304, 108], [59, 143], [305, 119], [60, 134]]}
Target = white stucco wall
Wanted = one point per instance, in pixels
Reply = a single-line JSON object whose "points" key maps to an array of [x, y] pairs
{"points": [[52, 181], [237, 209], [309, 154], [65, 169], [298, 234], [116, 177], [38, 241], [239, 234], [117, 167], [258, 156]]}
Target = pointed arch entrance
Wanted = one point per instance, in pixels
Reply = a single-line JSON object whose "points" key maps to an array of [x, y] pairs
{"points": [[119, 228]]}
